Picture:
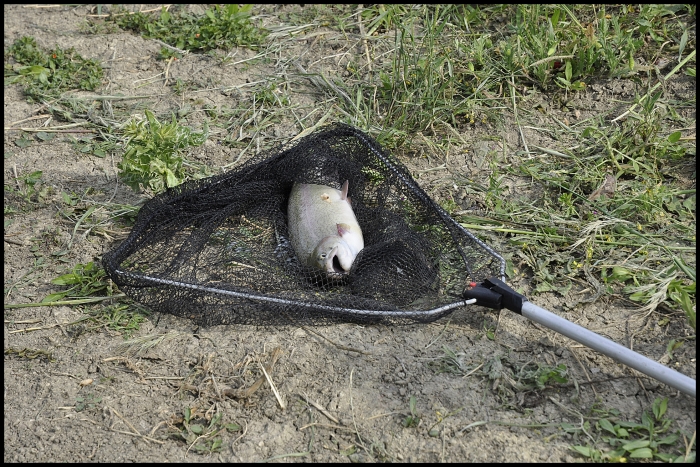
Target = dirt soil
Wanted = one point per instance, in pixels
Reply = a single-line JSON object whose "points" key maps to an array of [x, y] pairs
{"points": [[346, 388]]}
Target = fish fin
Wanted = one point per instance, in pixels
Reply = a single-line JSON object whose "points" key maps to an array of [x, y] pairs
{"points": [[344, 190], [343, 229]]}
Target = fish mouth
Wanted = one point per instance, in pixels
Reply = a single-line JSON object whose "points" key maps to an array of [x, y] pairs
{"points": [[336, 267]]}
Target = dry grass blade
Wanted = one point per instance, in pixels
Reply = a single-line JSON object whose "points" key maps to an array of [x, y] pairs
{"points": [[139, 346], [246, 393], [274, 389], [320, 408]]}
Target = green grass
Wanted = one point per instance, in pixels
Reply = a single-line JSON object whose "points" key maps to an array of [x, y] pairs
{"points": [[86, 284], [648, 207], [30, 188], [219, 28], [414, 418], [88, 402], [451, 63], [153, 153], [84, 280], [612, 439], [202, 434], [46, 73], [120, 317]]}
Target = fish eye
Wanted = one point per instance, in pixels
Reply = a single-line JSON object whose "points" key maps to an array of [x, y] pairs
{"points": [[323, 256]]}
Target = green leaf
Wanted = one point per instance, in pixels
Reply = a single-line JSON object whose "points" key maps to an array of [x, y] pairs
{"points": [[23, 142], [569, 427], [544, 287], [555, 17], [410, 421], [171, 179], [616, 456], [642, 453], [412, 404], [639, 296], [631, 425], [690, 272], [640, 443], [44, 136], [563, 82], [607, 426], [689, 312], [54, 297], [564, 289], [670, 439], [583, 450], [621, 274], [660, 405], [233, 427], [664, 457], [164, 15], [214, 420], [674, 137], [34, 177], [67, 279], [681, 45], [196, 429]]}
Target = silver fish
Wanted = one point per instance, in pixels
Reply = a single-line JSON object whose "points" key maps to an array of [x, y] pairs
{"points": [[323, 229]]}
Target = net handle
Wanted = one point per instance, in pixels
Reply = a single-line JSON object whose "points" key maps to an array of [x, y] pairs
{"points": [[612, 349], [495, 293]]}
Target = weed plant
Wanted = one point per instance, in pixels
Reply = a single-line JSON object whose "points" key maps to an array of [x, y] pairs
{"points": [[612, 439], [221, 27], [153, 153], [48, 73]]}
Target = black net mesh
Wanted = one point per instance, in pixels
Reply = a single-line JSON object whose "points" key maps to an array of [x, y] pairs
{"points": [[217, 250]]}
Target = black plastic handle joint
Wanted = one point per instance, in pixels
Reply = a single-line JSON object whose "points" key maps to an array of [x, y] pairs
{"points": [[494, 293]]}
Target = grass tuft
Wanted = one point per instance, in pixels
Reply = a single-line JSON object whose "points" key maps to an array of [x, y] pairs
{"points": [[48, 73], [613, 439], [153, 154], [221, 27]]}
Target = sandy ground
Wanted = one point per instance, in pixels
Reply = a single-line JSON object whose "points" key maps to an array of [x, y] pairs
{"points": [[90, 402]]}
